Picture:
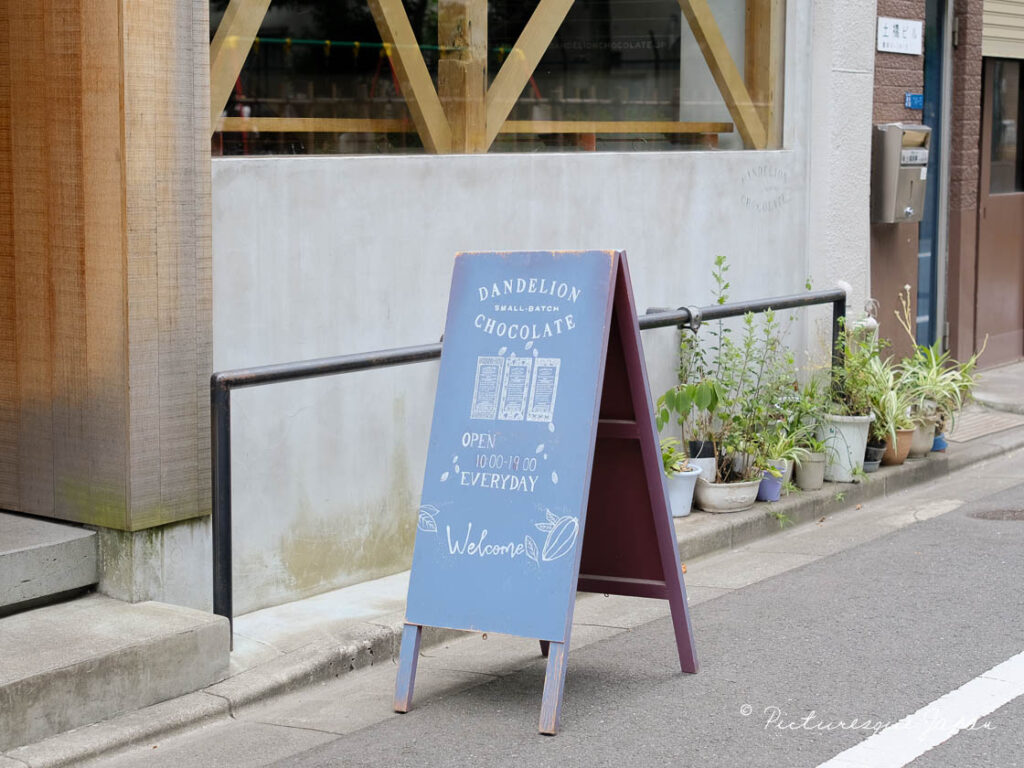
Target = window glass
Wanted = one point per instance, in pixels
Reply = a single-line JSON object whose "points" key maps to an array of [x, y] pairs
{"points": [[1007, 166], [617, 75]]}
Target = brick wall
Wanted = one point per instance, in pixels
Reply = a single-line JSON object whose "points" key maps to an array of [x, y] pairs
{"points": [[898, 73], [964, 164], [963, 182], [894, 246]]}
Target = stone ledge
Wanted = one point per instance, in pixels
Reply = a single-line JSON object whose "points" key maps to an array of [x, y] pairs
{"points": [[40, 558], [124, 657]]}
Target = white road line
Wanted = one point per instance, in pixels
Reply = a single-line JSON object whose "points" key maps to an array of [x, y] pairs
{"points": [[934, 723]]}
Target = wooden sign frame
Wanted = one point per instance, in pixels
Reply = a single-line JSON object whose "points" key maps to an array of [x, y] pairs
{"points": [[628, 545]]}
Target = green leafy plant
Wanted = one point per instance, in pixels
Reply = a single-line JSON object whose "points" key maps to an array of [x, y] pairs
{"points": [[936, 385], [783, 519], [673, 460], [890, 401], [851, 382], [788, 442]]}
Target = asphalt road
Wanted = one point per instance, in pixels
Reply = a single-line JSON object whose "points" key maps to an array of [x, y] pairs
{"points": [[871, 634], [796, 667]]}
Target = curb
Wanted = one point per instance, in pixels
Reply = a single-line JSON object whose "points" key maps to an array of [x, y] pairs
{"points": [[699, 534]]}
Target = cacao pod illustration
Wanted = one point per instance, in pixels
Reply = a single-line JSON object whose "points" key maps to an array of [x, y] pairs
{"points": [[561, 536]]}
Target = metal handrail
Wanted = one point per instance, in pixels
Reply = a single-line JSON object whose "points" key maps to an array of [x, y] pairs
{"points": [[223, 382]]}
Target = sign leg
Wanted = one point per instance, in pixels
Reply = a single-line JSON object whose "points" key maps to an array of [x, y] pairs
{"points": [[545, 645], [554, 683], [683, 630], [408, 656]]}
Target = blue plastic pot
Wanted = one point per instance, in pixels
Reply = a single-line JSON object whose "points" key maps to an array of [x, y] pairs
{"points": [[770, 488], [939, 443]]}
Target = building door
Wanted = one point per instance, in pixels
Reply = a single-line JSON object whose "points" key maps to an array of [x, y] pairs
{"points": [[999, 302], [931, 231]]}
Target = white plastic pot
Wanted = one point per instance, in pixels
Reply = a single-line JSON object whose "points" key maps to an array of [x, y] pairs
{"points": [[680, 490], [845, 439], [725, 497], [921, 442]]}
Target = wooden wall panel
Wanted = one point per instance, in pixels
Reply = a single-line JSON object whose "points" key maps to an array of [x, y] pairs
{"points": [[167, 185], [105, 295], [30, 235], [105, 332], [8, 332]]}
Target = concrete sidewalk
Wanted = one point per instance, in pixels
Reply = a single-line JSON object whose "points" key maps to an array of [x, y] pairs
{"points": [[1002, 388], [286, 648]]}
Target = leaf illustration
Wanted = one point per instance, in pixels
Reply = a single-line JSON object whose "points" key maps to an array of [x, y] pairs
{"points": [[545, 457], [502, 350], [456, 469], [554, 478], [531, 550], [540, 448], [551, 426], [529, 344], [444, 477], [426, 520], [455, 459], [552, 518], [561, 540], [544, 526]]}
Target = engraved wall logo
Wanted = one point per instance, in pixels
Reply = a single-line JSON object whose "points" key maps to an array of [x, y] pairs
{"points": [[765, 189]]}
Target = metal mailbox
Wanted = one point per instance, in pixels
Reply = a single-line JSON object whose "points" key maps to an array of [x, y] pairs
{"points": [[899, 172]]}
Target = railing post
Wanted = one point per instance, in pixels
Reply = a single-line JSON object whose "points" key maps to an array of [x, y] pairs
{"points": [[220, 450], [838, 324]]}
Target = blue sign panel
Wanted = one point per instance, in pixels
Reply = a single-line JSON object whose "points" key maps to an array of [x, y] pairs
{"points": [[913, 100], [501, 521]]}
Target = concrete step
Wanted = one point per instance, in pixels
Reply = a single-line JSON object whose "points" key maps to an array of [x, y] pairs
{"points": [[40, 559], [78, 662]]}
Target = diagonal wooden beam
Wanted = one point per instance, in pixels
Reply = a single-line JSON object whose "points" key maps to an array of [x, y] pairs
{"points": [[723, 69], [522, 61], [229, 49], [413, 76]]}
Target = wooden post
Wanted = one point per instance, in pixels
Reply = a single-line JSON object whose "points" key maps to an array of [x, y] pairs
{"points": [[763, 63], [105, 272], [462, 71]]}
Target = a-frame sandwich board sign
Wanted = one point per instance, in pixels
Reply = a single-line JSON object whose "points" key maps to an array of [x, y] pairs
{"points": [[544, 472]]}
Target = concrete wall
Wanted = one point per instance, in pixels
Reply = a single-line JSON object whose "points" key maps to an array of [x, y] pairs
{"points": [[317, 256]]}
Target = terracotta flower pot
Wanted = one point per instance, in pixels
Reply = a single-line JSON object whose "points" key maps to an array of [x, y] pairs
{"points": [[895, 455]]}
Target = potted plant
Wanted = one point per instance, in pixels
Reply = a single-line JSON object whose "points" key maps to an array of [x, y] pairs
{"points": [[809, 473], [844, 428], [680, 477], [892, 429], [935, 383], [784, 449], [707, 403], [804, 414], [758, 380]]}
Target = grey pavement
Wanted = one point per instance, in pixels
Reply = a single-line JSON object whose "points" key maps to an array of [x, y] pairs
{"points": [[869, 614], [1002, 388]]}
